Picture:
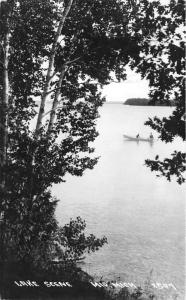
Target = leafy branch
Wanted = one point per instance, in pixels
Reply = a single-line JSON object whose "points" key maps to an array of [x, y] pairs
{"points": [[174, 166]]}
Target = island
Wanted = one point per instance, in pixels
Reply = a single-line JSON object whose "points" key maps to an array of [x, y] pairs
{"points": [[137, 101], [145, 102]]}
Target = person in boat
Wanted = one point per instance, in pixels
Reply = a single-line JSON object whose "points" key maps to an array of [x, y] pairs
{"points": [[151, 136], [137, 136]]}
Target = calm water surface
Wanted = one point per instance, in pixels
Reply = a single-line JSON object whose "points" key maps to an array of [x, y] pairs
{"points": [[141, 215]]}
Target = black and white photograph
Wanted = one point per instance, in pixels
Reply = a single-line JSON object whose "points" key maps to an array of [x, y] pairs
{"points": [[92, 150]]}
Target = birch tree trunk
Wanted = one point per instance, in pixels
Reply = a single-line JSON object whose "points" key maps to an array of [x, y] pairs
{"points": [[51, 66], [4, 135], [4, 108], [56, 99]]}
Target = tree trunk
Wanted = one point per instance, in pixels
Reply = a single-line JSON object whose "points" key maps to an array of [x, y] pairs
{"points": [[3, 138], [50, 67], [4, 109], [56, 99]]}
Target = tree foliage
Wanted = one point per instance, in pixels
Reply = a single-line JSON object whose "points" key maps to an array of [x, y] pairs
{"points": [[162, 63], [59, 54], [71, 243]]}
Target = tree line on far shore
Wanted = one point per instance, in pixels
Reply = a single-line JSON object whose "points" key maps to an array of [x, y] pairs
{"points": [[146, 102]]}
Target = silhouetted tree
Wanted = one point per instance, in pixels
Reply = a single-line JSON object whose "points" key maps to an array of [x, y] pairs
{"points": [[162, 63], [63, 52]]}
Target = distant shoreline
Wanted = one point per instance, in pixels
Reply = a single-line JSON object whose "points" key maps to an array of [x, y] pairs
{"points": [[145, 102], [122, 103]]}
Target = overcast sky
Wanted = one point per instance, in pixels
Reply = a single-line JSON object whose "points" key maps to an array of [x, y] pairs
{"points": [[133, 87]]}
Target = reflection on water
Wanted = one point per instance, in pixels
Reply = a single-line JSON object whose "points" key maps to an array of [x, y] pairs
{"points": [[142, 215]]}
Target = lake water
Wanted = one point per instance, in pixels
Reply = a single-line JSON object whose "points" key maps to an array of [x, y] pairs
{"points": [[141, 215]]}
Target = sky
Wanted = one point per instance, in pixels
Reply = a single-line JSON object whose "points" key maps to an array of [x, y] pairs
{"points": [[133, 87]]}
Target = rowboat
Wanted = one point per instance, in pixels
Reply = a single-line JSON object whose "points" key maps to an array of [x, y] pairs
{"points": [[130, 138]]}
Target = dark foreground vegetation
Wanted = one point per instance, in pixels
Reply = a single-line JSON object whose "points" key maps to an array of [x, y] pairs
{"points": [[69, 282], [60, 282]]}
